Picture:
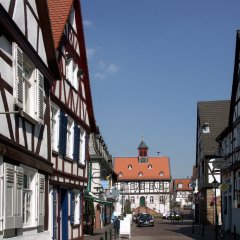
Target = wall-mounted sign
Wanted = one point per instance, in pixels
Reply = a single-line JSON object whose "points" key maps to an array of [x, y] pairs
{"points": [[105, 184]]}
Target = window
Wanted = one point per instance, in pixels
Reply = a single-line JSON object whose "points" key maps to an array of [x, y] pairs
{"points": [[141, 185], [140, 174], [54, 127], [179, 185], [28, 86], [132, 199], [149, 166], [76, 208], [72, 72], [151, 185], [205, 128], [129, 167], [24, 197], [143, 160], [132, 186], [82, 146], [161, 174], [28, 181], [151, 199], [120, 174], [160, 199], [70, 135]]}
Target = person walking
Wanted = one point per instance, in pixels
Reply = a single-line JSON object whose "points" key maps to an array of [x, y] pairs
{"points": [[116, 226]]}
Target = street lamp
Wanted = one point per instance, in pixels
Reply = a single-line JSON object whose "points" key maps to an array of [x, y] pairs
{"points": [[215, 185]]}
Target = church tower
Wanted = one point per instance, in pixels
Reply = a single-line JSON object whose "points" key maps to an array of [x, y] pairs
{"points": [[142, 152]]}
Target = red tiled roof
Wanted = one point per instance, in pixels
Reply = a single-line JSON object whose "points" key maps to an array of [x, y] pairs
{"points": [[59, 11], [185, 184], [159, 164]]}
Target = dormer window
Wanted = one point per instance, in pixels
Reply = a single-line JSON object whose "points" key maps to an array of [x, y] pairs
{"points": [[129, 167], [161, 174], [179, 185], [140, 174], [149, 166], [120, 174], [205, 128]]}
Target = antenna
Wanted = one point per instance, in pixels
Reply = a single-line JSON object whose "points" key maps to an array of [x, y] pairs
{"points": [[158, 153]]}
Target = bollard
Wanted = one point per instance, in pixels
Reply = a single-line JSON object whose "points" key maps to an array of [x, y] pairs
{"points": [[234, 233], [106, 235]]}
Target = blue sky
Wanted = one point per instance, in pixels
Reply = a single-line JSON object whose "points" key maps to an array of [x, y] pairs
{"points": [[150, 62]]}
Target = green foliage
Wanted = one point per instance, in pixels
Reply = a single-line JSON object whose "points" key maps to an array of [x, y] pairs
{"points": [[127, 207]]}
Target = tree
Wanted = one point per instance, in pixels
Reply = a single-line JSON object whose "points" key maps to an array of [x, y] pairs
{"points": [[127, 206]]}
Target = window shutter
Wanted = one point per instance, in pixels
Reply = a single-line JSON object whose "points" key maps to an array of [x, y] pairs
{"points": [[72, 207], [40, 92], [41, 198], [18, 71], [54, 214], [69, 69], [62, 133], [8, 196], [18, 199], [76, 145]]}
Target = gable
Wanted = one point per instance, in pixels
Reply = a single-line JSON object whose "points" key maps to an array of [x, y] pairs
{"points": [[32, 21]]}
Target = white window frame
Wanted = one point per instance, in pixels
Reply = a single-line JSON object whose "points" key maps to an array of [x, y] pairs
{"points": [[82, 153], [33, 219], [70, 138], [28, 86], [72, 72], [54, 127], [179, 185], [76, 207]]}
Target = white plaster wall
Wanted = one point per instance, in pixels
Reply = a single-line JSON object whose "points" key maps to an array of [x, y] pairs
{"points": [[32, 29], [67, 167], [5, 4], [80, 172], [41, 48], [18, 15], [45, 144], [57, 88], [75, 167], [4, 125], [60, 163]]}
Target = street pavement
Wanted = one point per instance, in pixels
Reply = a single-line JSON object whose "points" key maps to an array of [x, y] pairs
{"points": [[165, 230]]}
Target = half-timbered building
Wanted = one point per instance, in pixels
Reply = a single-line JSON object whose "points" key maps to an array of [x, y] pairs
{"points": [[144, 180], [72, 121], [28, 68], [229, 143], [183, 193], [100, 182], [212, 118]]}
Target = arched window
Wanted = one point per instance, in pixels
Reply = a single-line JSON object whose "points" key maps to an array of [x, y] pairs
{"points": [[129, 167], [179, 185], [151, 199], [149, 166], [161, 174], [140, 174], [120, 174], [132, 199]]}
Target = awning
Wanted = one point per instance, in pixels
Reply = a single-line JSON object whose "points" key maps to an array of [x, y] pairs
{"points": [[93, 197]]}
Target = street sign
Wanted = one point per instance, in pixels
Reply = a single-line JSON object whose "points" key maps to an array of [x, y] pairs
{"points": [[224, 187], [115, 192]]}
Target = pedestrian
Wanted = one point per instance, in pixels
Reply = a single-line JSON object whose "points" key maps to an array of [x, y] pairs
{"points": [[116, 226]]}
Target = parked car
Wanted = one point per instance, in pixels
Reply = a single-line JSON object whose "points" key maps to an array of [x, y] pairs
{"points": [[136, 217], [170, 215], [145, 220]]}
